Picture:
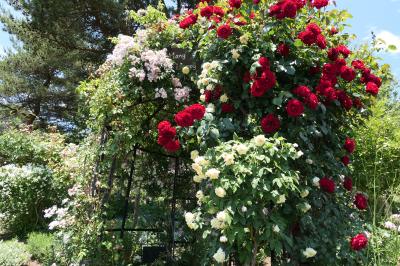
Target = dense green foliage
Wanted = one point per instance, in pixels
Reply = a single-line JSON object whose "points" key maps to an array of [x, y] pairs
{"points": [[41, 247], [13, 253]]}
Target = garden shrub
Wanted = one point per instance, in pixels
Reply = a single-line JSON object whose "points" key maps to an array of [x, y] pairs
{"points": [[22, 146], [13, 253], [41, 247], [24, 194]]}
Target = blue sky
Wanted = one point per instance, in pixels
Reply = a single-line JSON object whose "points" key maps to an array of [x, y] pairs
{"points": [[382, 17]]}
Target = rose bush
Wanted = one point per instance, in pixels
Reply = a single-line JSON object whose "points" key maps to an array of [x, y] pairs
{"points": [[276, 69]]}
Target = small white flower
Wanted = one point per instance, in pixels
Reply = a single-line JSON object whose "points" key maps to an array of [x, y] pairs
{"points": [[276, 228], [207, 66], [194, 154], [309, 161], [244, 209], [244, 39], [212, 173], [223, 239], [305, 207], [315, 181], [203, 98], [197, 179], [220, 192], [190, 220], [210, 108], [199, 195], [260, 140], [229, 158], [390, 226], [309, 252], [197, 168], [281, 199], [241, 149], [235, 54], [219, 256], [223, 98], [185, 70], [304, 193]]}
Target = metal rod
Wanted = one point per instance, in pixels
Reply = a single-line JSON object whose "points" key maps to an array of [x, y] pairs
{"points": [[128, 192]]}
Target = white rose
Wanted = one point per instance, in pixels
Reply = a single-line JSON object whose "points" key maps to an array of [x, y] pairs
{"points": [[304, 193], [223, 239], [229, 158], [281, 199], [215, 223], [185, 70], [197, 168], [309, 252], [210, 108], [207, 66], [197, 179], [241, 149], [219, 256], [220, 192], [212, 173], [223, 98], [235, 54], [199, 195], [276, 228], [305, 207], [244, 39], [260, 140], [210, 87], [309, 161], [194, 154], [315, 181], [203, 98], [222, 216], [244, 209]]}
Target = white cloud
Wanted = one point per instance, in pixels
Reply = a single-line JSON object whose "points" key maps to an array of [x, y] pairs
{"points": [[386, 38]]}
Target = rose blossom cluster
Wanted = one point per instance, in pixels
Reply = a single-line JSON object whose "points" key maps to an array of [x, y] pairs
{"points": [[263, 79], [286, 8], [313, 35], [185, 118]]}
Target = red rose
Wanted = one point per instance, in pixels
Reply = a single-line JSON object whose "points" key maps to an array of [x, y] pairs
{"points": [[358, 64], [256, 2], [333, 54], [357, 103], [314, 28], [300, 3], [347, 73], [359, 242], [188, 21], [302, 91], [224, 31], [344, 50], [372, 88], [207, 11], [348, 183], [327, 185], [184, 119], [307, 37], [172, 146], [270, 79], [264, 62], [350, 145], [257, 88], [227, 108], [218, 11], [312, 101], [330, 69], [197, 111], [274, 10], [330, 94], [321, 41], [270, 123], [345, 160], [314, 70], [235, 3], [252, 15], [163, 124], [294, 108], [289, 9], [333, 31], [283, 49], [166, 130], [319, 3], [360, 201], [208, 94], [346, 102]]}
